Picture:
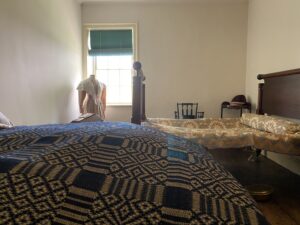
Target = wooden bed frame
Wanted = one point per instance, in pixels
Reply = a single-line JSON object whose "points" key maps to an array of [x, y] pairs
{"points": [[279, 95]]}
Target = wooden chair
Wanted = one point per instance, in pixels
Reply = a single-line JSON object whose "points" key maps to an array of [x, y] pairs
{"points": [[188, 111]]}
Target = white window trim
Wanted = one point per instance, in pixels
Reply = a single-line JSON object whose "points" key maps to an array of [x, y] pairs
{"points": [[106, 26]]}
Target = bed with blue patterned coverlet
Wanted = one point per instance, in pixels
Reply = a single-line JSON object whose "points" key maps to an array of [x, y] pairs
{"points": [[114, 173]]}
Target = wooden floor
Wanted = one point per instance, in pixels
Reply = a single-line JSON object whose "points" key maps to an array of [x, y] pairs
{"points": [[284, 207]]}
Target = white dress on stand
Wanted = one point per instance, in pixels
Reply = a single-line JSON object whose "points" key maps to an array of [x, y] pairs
{"points": [[92, 101]]}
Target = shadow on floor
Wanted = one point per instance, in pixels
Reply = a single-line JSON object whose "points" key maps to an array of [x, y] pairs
{"points": [[284, 207]]}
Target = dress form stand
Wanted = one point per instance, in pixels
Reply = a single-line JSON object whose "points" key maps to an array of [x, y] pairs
{"points": [[92, 97]]}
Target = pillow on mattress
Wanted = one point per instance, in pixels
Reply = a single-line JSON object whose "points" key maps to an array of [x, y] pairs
{"points": [[5, 122], [270, 124]]}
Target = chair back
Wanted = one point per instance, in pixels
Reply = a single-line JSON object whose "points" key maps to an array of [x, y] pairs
{"points": [[187, 111]]}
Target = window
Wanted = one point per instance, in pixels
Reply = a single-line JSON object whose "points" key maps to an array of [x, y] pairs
{"points": [[115, 72], [109, 54]]}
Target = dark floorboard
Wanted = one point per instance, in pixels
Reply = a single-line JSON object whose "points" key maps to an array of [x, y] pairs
{"points": [[284, 207]]}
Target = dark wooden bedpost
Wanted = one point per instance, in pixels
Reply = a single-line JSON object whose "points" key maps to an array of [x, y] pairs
{"points": [[138, 95], [260, 98], [144, 103], [255, 156]]}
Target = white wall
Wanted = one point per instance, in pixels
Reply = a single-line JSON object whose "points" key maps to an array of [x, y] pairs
{"points": [[40, 60], [273, 45], [191, 52]]}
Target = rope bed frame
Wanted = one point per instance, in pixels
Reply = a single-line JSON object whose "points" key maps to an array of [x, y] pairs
{"points": [[278, 95]]}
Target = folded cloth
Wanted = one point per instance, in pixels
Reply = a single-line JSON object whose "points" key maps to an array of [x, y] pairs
{"points": [[5, 122], [237, 103]]}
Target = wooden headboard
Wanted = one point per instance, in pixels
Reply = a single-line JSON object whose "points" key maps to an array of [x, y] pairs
{"points": [[280, 94]]}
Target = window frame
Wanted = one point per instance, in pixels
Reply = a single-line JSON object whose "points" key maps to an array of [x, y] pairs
{"points": [[107, 26]]}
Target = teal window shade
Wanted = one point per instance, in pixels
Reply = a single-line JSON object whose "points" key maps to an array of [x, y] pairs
{"points": [[110, 42]]}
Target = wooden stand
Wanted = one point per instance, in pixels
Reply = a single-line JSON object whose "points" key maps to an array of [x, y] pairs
{"points": [[88, 117]]}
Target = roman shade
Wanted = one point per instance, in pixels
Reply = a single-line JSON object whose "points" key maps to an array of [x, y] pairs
{"points": [[110, 42]]}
